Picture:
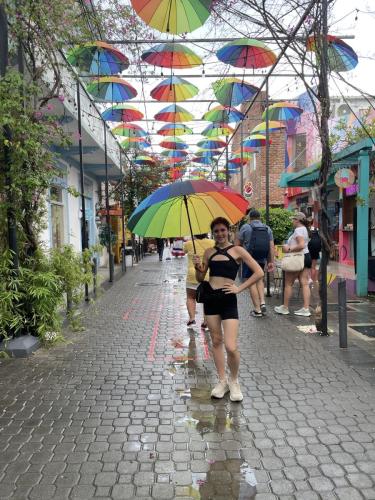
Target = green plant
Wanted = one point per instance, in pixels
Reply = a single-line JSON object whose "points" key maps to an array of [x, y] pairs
{"points": [[104, 236], [280, 223]]}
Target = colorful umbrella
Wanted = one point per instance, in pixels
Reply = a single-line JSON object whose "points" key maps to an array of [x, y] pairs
{"points": [[144, 160], [184, 208], [203, 160], [246, 53], [111, 89], [174, 153], [171, 55], [216, 129], [233, 91], [175, 173], [98, 58], [122, 113], [171, 16], [211, 144], [341, 56], [273, 126], [223, 114], [174, 160], [174, 89], [173, 143], [199, 172], [130, 144], [129, 130], [174, 129], [174, 113], [208, 153], [282, 111], [246, 149], [255, 141]]}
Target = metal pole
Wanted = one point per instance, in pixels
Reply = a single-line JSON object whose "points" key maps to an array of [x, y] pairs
{"points": [[343, 326], [268, 294], [84, 241], [108, 216], [226, 163], [123, 251], [242, 165]]}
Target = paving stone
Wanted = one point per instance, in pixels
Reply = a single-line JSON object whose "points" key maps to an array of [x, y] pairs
{"points": [[348, 494], [122, 491], [163, 491]]}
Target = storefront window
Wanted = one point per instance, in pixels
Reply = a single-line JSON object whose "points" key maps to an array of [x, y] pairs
{"points": [[57, 216]]}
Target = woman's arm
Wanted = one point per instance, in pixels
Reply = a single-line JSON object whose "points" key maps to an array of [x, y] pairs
{"points": [[201, 267], [253, 265], [295, 248]]}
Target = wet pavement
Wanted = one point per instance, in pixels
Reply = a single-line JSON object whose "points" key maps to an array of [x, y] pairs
{"points": [[123, 410]]}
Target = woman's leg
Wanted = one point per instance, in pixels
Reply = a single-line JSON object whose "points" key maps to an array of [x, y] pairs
{"points": [[214, 325], [290, 278], [314, 271], [191, 303], [304, 281], [230, 340]]}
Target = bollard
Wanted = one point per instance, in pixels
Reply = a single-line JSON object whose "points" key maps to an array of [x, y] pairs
{"points": [[123, 259], [94, 273], [283, 286], [343, 327]]}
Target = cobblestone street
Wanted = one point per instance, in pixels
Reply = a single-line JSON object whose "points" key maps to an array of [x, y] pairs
{"points": [[123, 410]]}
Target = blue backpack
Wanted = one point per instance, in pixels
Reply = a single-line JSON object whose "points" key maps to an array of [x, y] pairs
{"points": [[259, 246]]}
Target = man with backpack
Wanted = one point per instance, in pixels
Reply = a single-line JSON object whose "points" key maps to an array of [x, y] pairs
{"points": [[257, 238]]}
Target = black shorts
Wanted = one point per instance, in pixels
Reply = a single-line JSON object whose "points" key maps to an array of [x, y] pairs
{"points": [[247, 272], [308, 262], [314, 254], [218, 303]]}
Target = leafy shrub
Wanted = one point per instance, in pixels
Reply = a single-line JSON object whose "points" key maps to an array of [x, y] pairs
{"points": [[280, 223]]}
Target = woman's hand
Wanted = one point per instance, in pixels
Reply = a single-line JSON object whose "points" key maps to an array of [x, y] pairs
{"points": [[197, 261], [231, 288], [286, 248]]}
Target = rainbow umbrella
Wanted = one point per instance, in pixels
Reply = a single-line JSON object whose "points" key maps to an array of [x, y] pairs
{"points": [[174, 153], [246, 53], [141, 143], [233, 91], [174, 129], [282, 111], [203, 160], [144, 160], [246, 149], [208, 153], [171, 55], [186, 207], [216, 129], [98, 58], [173, 143], [111, 89], [122, 113], [255, 141], [171, 16], [223, 114], [174, 113], [129, 130], [199, 172], [211, 144], [174, 160], [174, 89], [341, 56], [273, 126]]}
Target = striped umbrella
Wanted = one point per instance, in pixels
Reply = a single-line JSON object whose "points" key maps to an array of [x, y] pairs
{"points": [[144, 160], [174, 153], [174, 129], [111, 89], [217, 129], [246, 53], [174, 113], [129, 144], [129, 130], [273, 126], [174, 89], [223, 114], [98, 58], [211, 144], [233, 91], [282, 111], [255, 141], [341, 56], [171, 55], [122, 113], [173, 143]]}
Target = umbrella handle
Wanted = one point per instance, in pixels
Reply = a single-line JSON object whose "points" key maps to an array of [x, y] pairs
{"points": [[191, 230]]}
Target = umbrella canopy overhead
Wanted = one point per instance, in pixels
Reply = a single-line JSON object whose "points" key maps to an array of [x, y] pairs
{"points": [[255, 141], [173, 160], [129, 144], [173, 143], [174, 153], [223, 114], [129, 130], [217, 129], [174, 113], [174, 89], [282, 111], [171, 55], [122, 113], [233, 91], [111, 89], [246, 149], [173, 16], [211, 144], [165, 212], [246, 53], [174, 129], [208, 153], [341, 56], [98, 58], [203, 160], [144, 160], [273, 126]]}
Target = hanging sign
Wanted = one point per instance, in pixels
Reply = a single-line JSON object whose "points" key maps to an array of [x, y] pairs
{"points": [[344, 178], [248, 189]]}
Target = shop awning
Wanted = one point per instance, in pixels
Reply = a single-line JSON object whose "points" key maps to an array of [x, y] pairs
{"points": [[303, 178]]}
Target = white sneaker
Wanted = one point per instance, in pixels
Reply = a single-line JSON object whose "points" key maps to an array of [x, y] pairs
{"points": [[281, 310], [220, 389], [235, 390], [303, 312]]}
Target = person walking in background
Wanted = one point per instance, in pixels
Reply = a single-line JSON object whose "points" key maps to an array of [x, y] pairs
{"points": [[202, 242], [298, 242], [315, 247], [257, 239], [220, 303], [160, 247], [178, 247]]}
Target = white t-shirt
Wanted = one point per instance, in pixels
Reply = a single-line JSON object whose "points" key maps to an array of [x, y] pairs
{"points": [[299, 231]]}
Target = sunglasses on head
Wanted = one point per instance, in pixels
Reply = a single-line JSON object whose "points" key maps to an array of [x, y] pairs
{"points": [[222, 230]]}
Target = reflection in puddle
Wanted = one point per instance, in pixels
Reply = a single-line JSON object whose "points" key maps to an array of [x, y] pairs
{"points": [[231, 479], [184, 393]]}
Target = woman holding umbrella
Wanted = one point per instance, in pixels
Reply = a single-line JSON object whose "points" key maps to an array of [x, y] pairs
{"points": [[220, 303]]}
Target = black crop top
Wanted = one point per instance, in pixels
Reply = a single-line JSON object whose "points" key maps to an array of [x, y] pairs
{"points": [[223, 268]]}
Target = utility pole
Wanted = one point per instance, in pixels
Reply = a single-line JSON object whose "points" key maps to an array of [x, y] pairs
{"points": [[268, 294]]}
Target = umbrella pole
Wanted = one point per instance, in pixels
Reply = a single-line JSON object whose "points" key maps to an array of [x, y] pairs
{"points": [[188, 216]]}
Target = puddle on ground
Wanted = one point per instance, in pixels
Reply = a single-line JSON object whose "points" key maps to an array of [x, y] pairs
{"points": [[201, 394], [179, 342], [184, 394], [231, 479]]}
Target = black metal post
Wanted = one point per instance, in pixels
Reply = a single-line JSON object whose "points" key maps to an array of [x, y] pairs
{"points": [[242, 166], [343, 324], [84, 241], [268, 294], [226, 163], [108, 216], [123, 251]]}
